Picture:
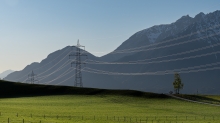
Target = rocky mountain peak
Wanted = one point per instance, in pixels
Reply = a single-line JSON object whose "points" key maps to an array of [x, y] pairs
{"points": [[199, 17], [184, 19]]}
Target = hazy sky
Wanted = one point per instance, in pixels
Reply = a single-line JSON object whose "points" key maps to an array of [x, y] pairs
{"points": [[31, 29]]}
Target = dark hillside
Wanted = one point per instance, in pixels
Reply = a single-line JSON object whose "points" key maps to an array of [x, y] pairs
{"points": [[11, 89]]}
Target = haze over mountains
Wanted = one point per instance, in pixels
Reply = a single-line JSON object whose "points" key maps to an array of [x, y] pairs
{"points": [[188, 42], [5, 73]]}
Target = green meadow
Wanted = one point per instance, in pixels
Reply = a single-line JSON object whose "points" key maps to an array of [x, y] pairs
{"points": [[99, 106], [105, 108]]}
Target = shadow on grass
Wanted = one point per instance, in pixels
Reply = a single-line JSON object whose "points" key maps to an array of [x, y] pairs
{"points": [[13, 90]]}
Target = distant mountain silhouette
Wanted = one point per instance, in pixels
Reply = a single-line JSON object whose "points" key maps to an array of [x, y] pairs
{"points": [[5, 73], [197, 36]]}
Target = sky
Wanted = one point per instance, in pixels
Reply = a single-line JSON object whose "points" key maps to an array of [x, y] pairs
{"points": [[32, 29]]}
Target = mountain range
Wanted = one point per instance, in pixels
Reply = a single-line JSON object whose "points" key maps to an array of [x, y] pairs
{"points": [[189, 46]]}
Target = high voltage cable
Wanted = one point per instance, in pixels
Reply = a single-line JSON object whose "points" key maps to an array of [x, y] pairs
{"points": [[55, 64], [53, 59], [67, 78], [60, 68], [135, 62], [24, 80], [200, 70], [169, 60], [121, 51], [152, 73], [45, 64], [157, 61], [166, 41], [64, 65], [195, 67], [158, 72], [176, 54], [64, 74], [188, 41], [146, 46], [165, 73], [57, 70], [173, 59], [147, 73]]}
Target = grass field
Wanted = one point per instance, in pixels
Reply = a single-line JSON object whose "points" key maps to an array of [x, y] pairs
{"points": [[215, 97], [212, 99], [105, 108], [98, 106]]}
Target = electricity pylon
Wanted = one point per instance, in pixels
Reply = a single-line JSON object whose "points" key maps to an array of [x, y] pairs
{"points": [[32, 78], [78, 75]]}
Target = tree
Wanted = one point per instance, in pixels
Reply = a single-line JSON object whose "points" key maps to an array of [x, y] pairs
{"points": [[177, 84]]}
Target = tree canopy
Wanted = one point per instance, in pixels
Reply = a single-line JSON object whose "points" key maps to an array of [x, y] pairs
{"points": [[177, 84]]}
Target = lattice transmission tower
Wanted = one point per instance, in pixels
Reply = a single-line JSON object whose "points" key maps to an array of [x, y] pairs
{"points": [[31, 78], [78, 75]]}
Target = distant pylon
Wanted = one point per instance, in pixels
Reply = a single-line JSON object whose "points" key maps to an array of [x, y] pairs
{"points": [[78, 75], [32, 78]]}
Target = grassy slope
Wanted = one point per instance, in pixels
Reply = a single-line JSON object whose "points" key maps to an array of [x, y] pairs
{"points": [[70, 104], [212, 99], [215, 97]]}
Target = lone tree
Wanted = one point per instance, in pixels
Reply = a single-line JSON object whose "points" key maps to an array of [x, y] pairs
{"points": [[177, 84]]}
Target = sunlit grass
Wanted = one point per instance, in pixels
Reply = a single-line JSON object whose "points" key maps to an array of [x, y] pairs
{"points": [[105, 108]]}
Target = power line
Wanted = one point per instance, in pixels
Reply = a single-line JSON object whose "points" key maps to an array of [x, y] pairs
{"points": [[55, 64], [64, 74], [45, 64], [54, 59], [146, 46], [181, 70], [165, 46], [154, 62], [78, 77], [165, 41], [68, 78], [58, 69], [31, 78], [134, 50], [176, 54]]}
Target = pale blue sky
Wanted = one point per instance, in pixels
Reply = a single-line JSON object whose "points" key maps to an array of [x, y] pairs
{"points": [[31, 29]]}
